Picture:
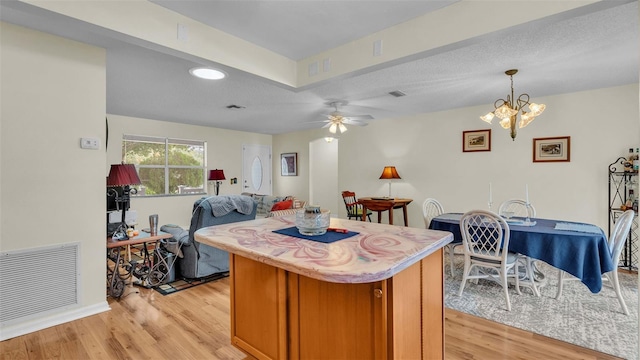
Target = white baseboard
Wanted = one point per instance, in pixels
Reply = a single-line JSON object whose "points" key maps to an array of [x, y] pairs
{"points": [[33, 325]]}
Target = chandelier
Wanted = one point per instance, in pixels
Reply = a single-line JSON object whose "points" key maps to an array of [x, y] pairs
{"points": [[508, 110]]}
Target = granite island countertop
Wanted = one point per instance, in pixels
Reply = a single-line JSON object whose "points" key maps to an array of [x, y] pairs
{"points": [[377, 253]]}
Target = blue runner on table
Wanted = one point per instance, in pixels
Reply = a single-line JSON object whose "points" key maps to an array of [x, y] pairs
{"points": [[585, 255], [327, 238]]}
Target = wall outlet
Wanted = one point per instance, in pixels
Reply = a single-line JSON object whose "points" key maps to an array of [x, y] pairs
{"points": [[90, 143]]}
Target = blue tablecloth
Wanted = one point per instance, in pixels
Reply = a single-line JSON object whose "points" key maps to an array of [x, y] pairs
{"points": [[584, 254]]}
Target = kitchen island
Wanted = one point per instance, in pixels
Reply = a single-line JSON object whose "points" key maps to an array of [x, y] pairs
{"points": [[375, 295]]}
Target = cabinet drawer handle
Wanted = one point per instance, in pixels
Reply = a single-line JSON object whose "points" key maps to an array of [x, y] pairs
{"points": [[377, 293]]}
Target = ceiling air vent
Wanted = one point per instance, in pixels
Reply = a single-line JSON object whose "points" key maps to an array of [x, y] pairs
{"points": [[235, 106], [397, 93]]}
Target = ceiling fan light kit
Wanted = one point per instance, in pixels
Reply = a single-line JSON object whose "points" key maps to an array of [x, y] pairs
{"points": [[336, 123], [508, 110]]}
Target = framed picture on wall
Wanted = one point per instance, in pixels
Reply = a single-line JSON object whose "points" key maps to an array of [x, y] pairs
{"points": [[476, 140], [552, 149], [289, 164]]}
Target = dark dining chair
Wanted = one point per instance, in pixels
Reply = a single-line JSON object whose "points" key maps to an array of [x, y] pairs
{"points": [[354, 208]]}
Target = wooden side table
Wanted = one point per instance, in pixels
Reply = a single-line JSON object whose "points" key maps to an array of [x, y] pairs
{"points": [[385, 204]]}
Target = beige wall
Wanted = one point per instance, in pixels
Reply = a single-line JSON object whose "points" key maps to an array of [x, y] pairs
{"points": [[224, 151], [427, 151], [52, 191]]}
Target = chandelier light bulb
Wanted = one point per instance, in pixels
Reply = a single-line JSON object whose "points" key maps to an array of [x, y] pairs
{"points": [[332, 128], [536, 109], [487, 118], [505, 111], [342, 128], [526, 118]]}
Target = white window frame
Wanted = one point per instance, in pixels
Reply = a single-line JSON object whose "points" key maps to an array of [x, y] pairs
{"points": [[169, 141]]}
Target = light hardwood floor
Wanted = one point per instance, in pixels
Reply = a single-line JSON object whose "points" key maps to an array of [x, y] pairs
{"points": [[194, 324]]}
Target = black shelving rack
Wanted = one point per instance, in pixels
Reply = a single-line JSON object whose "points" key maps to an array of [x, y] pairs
{"points": [[620, 182]]}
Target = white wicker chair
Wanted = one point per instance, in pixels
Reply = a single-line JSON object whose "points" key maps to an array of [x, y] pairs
{"points": [[616, 242], [485, 239], [520, 208], [430, 209], [517, 208]]}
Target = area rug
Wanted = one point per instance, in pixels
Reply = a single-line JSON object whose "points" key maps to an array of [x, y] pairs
{"points": [[593, 321], [183, 284]]}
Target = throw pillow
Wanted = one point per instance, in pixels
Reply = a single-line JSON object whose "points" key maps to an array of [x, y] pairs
{"points": [[282, 205]]}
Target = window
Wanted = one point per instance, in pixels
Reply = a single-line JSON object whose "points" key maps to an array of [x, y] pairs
{"points": [[166, 166]]}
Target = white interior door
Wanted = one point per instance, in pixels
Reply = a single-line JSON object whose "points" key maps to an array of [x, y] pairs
{"points": [[256, 169], [323, 175]]}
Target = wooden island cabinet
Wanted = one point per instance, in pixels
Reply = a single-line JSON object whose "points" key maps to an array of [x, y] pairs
{"points": [[376, 295]]}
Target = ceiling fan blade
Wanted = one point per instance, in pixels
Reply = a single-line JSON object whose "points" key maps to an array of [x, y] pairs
{"points": [[358, 117], [354, 122]]}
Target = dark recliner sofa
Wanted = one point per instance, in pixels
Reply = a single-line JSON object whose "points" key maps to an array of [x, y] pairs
{"points": [[200, 260]]}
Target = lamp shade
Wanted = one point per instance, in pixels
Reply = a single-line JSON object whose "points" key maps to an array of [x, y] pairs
{"points": [[216, 175], [122, 175], [389, 172]]}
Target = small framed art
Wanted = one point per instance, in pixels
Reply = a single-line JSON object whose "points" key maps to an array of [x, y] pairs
{"points": [[476, 140], [289, 164], [552, 149]]}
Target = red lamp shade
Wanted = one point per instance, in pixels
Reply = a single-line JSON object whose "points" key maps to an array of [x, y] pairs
{"points": [[216, 175], [122, 175], [389, 172]]}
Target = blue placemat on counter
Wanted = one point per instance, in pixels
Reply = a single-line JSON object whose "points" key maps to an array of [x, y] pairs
{"points": [[327, 238]]}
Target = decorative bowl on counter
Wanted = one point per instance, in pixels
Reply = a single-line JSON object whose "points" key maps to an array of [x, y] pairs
{"points": [[312, 220]]}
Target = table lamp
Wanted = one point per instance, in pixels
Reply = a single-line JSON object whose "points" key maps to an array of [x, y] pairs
{"points": [[389, 172], [216, 175], [122, 175]]}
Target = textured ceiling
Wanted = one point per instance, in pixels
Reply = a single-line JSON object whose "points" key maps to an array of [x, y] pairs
{"points": [[594, 47]]}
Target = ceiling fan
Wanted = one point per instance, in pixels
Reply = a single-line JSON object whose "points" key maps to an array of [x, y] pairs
{"points": [[337, 120]]}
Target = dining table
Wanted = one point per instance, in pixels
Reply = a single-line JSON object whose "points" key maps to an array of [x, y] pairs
{"points": [[580, 249]]}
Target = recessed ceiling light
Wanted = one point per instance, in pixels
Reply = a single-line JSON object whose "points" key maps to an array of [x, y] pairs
{"points": [[207, 73]]}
